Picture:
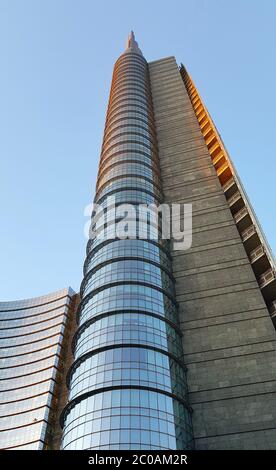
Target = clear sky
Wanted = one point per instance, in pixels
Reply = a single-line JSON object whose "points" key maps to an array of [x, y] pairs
{"points": [[56, 64]]}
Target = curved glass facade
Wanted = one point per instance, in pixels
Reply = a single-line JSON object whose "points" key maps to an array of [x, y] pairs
{"points": [[31, 347], [127, 385]]}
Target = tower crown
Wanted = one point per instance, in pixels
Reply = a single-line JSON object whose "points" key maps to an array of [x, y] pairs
{"points": [[132, 44]]}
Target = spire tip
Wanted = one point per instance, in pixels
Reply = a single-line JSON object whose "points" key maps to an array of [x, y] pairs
{"points": [[132, 44]]}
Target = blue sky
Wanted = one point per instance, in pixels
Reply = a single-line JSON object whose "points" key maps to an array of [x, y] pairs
{"points": [[56, 64]]}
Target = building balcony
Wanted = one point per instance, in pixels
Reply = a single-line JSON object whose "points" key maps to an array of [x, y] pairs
{"points": [[218, 158], [198, 108], [240, 215], [257, 253], [195, 99], [236, 202], [230, 187], [200, 115], [214, 147], [210, 141], [272, 309], [205, 126], [208, 136], [267, 283], [259, 260], [233, 199], [250, 239], [247, 233], [224, 173], [267, 277], [242, 219]]}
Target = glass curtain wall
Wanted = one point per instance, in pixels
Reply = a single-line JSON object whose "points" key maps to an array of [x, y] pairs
{"points": [[31, 348]]}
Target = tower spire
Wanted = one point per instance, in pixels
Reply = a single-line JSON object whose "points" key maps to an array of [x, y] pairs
{"points": [[132, 44]]}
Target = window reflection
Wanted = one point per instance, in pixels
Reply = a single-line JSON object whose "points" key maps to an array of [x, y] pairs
{"points": [[134, 417]]}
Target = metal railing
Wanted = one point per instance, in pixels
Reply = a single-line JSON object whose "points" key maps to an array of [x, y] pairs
{"points": [[240, 214], [256, 253], [247, 233], [267, 277]]}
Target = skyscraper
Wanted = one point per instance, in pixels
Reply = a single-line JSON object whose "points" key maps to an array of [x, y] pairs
{"points": [[173, 349], [128, 383]]}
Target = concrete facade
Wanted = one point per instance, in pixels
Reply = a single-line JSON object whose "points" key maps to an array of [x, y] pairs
{"points": [[228, 336]]}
